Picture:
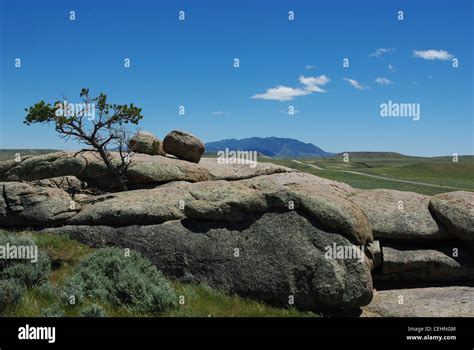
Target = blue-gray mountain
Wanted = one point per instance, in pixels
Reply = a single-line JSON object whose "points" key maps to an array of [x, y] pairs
{"points": [[269, 146]]}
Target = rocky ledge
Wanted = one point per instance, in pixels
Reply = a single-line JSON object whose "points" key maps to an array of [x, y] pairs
{"points": [[265, 232], [451, 301]]}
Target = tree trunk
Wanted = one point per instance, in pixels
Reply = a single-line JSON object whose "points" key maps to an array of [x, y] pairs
{"points": [[117, 177]]}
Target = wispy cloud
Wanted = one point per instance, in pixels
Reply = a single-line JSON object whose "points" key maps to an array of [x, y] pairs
{"points": [[310, 67], [379, 53], [433, 55], [313, 84], [355, 84], [286, 93], [392, 68], [220, 113], [383, 81]]}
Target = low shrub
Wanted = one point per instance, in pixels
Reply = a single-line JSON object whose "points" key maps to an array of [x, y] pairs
{"points": [[52, 311], [130, 280], [11, 291], [92, 310], [47, 290], [29, 272], [72, 291]]}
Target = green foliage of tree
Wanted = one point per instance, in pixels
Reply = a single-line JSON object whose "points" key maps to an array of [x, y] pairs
{"points": [[102, 132]]}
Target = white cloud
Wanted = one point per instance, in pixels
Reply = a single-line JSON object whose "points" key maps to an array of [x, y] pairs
{"points": [[313, 83], [220, 113], [281, 93], [392, 68], [433, 55], [286, 93], [355, 84], [310, 67], [379, 53], [383, 81]]}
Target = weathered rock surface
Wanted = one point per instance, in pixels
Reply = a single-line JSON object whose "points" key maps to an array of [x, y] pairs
{"points": [[47, 166], [183, 145], [231, 201], [456, 211], [269, 257], [324, 200], [144, 170], [234, 172], [450, 301], [70, 184], [435, 264], [146, 142], [398, 215], [144, 207], [321, 199], [375, 252], [22, 204]]}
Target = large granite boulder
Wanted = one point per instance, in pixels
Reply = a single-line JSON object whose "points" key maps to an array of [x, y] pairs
{"points": [[184, 146], [397, 215], [232, 201], [51, 165], [25, 205], [456, 211], [146, 142], [324, 200], [278, 257]]}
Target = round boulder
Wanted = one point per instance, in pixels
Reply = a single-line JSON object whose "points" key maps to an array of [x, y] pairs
{"points": [[456, 211], [146, 142], [184, 146]]}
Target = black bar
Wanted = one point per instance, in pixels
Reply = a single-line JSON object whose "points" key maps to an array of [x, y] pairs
{"points": [[375, 331]]}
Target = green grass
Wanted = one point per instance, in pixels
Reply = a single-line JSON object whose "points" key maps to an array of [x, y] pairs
{"points": [[9, 154], [439, 171], [199, 300], [202, 301], [434, 172]]}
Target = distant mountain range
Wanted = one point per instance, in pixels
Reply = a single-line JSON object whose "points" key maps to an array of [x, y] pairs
{"points": [[269, 146]]}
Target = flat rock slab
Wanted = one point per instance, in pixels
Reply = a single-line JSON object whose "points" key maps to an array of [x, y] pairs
{"points": [[231, 201], [436, 264], [22, 204], [422, 302], [397, 215], [231, 171]]}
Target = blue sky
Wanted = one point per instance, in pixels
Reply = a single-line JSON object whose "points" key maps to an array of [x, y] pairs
{"points": [[190, 63]]}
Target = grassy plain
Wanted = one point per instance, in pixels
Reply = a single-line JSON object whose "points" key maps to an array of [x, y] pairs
{"points": [[391, 171]]}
